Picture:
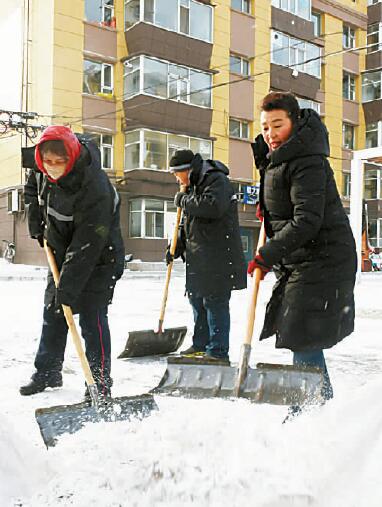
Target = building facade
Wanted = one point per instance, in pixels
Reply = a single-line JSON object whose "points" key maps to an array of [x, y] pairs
{"points": [[147, 77]]}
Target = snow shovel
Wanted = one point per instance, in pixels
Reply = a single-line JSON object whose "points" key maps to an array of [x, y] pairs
{"points": [[163, 341], [54, 421], [267, 383]]}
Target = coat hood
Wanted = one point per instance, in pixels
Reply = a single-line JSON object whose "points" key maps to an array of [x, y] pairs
{"points": [[310, 137], [71, 143], [200, 168]]}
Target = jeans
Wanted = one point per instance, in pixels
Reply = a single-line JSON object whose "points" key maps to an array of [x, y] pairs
{"points": [[95, 331], [211, 324], [316, 359]]}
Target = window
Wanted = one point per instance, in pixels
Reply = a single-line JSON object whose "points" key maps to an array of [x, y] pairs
{"points": [[241, 5], [300, 8], [348, 136], [239, 65], [372, 2], [238, 128], [101, 11], [374, 37], [317, 26], [346, 185], [188, 17], [372, 185], [295, 53], [309, 104], [105, 145], [372, 132], [163, 79], [371, 86], [149, 218], [348, 37], [348, 86], [97, 78], [375, 232], [149, 149]]}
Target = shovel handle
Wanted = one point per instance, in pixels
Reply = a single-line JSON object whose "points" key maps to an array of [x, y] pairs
{"points": [[174, 241], [246, 347], [254, 292], [72, 327]]}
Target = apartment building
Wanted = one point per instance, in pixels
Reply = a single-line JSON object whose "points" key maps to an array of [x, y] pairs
{"points": [[147, 77], [372, 105]]}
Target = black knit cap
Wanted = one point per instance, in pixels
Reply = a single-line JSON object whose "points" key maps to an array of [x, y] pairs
{"points": [[181, 161]]}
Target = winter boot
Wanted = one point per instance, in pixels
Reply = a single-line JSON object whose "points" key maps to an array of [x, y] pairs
{"points": [[40, 381], [191, 351]]}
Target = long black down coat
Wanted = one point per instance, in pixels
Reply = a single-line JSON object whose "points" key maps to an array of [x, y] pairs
{"points": [[214, 255], [79, 217], [310, 244]]}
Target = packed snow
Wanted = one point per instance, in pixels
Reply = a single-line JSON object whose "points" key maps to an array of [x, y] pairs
{"points": [[190, 452]]}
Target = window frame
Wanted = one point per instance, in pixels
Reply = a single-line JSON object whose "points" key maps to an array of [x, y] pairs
{"points": [[378, 178], [370, 48], [295, 49], [103, 88], [241, 124], [371, 83], [353, 138], [242, 60], [242, 8], [101, 145], [348, 38], [190, 71], [142, 20], [378, 130], [167, 204], [278, 4], [141, 142], [311, 104], [351, 86]]}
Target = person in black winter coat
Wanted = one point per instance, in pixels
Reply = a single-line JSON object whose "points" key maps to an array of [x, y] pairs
{"points": [[210, 240], [310, 243], [71, 203]]}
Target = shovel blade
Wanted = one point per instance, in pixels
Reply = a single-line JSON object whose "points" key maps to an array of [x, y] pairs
{"points": [[267, 383], [55, 421], [150, 342]]}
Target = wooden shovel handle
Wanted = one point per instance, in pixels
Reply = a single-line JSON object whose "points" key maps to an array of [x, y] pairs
{"points": [[254, 292], [70, 320], [174, 241]]}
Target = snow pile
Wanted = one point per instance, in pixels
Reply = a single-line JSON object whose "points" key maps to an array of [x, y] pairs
{"points": [[204, 453]]}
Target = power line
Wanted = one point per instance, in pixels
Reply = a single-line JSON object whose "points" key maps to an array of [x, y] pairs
{"points": [[261, 55]]}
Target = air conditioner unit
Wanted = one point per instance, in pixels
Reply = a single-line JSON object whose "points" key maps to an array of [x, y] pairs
{"points": [[13, 201]]}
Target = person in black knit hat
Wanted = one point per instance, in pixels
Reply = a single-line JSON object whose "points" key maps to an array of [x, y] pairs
{"points": [[210, 241]]}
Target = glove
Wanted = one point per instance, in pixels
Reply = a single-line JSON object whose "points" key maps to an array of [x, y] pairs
{"points": [[259, 212], [170, 258], [40, 239], [178, 199], [258, 262]]}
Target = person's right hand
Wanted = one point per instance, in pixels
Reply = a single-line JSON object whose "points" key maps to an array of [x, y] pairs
{"points": [[259, 213], [258, 262], [169, 257]]}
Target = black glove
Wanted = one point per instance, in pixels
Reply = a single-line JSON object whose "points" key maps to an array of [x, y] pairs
{"points": [[40, 239], [170, 258], [178, 199]]}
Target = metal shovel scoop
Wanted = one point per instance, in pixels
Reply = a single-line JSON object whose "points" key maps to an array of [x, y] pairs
{"points": [[163, 341], [267, 383], [54, 421]]}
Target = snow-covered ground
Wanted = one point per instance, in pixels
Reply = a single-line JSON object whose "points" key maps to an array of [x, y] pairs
{"points": [[190, 452]]}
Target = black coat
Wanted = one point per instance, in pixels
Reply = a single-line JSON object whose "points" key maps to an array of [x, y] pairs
{"points": [[79, 217], [214, 255], [310, 241]]}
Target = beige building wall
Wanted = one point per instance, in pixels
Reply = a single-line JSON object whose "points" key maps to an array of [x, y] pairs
{"points": [[220, 62], [119, 138], [262, 62]]}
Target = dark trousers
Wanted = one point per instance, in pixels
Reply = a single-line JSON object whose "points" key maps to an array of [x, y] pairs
{"points": [[317, 359], [211, 324], [95, 331]]}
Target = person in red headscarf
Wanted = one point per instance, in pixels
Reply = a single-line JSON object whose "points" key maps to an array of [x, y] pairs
{"points": [[71, 203]]}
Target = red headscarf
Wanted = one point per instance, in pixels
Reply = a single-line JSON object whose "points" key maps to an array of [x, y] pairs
{"points": [[71, 143]]}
